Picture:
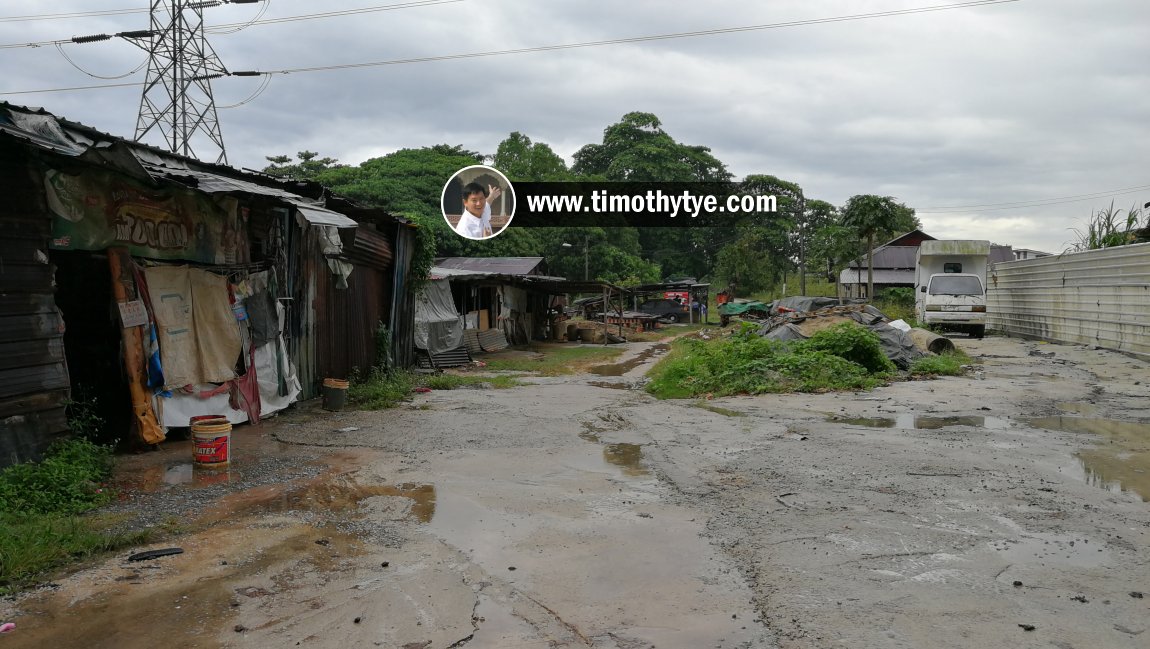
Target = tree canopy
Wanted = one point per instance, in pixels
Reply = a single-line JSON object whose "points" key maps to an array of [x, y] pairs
{"points": [[753, 251]]}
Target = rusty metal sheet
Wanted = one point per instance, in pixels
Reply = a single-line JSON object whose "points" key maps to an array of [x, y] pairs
{"points": [[371, 249]]}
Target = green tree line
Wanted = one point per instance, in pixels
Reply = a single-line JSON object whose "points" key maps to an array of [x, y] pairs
{"points": [[755, 253]]}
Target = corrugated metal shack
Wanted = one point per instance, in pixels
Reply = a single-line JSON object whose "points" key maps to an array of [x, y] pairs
{"points": [[512, 294], [80, 202]]}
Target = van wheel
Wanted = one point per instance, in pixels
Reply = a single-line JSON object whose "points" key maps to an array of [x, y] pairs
{"points": [[978, 331], [671, 318]]}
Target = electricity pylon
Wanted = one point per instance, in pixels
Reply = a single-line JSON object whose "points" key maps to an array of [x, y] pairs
{"points": [[177, 98]]}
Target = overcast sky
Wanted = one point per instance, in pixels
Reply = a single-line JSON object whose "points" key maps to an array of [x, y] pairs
{"points": [[1009, 103]]}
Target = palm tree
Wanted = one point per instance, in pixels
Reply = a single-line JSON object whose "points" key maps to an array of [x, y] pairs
{"points": [[869, 215]]}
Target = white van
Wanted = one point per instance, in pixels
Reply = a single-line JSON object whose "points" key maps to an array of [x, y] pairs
{"points": [[954, 301]]}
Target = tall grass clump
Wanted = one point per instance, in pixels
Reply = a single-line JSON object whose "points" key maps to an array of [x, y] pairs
{"points": [[378, 388], [41, 526]]}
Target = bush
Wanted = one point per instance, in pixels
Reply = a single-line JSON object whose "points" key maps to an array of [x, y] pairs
{"points": [[749, 364], [69, 480], [379, 389], [852, 342], [942, 365]]}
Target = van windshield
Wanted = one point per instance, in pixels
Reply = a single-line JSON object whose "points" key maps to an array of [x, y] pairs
{"points": [[955, 285]]}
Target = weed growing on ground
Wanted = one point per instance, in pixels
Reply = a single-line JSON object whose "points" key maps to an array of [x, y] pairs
{"points": [[745, 363], [949, 364], [39, 505], [67, 481], [851, 342], [379, 388], [453, 381]]}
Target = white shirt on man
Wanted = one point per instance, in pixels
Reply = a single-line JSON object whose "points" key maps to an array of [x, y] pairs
{"points": [[473, 227]]}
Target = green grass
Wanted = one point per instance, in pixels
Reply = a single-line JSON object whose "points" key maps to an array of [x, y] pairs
{"points": [[41, 526], [949, 364], [453, 381], [745, 363], [553, 361], [379, 389], [33, 545]]}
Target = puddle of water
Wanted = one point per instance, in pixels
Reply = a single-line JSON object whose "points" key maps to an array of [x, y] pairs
{"points": [[1123, 464], [619, 369], [1057, 549], [320, 496], [628, 457], [923, 422], [184, 608], [423, 496], [496, 626], [1078, 408]]}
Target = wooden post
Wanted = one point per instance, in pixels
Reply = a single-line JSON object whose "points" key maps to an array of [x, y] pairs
{"points": [[144, 419]]}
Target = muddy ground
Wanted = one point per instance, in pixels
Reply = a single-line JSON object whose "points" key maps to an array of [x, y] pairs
{"points": [[1005, 508]]}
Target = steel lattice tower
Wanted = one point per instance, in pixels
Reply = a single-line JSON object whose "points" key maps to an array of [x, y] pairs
{"points": [[177, 97]]}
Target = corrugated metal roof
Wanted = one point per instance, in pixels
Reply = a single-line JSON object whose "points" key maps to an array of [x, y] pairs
{"points": [[881, 276], [499, 265], [891, 257]]}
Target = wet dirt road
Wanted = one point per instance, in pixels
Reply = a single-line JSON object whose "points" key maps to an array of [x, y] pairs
{"points": [[1006, 508]]}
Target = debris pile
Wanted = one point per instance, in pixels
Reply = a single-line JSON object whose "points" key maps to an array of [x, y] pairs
{"points": [[799, 317]]}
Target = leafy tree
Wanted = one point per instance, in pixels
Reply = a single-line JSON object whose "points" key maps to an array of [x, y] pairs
{"points": [[638, 149], [308, 168], [816, 248], [869, 215], [521, 160]]}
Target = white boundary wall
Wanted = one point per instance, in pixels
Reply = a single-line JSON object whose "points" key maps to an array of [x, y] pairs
{"points": [[1097, 297]]}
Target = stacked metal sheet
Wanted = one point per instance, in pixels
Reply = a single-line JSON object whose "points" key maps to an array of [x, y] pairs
{"points": [[492, 340], [471, 341]]}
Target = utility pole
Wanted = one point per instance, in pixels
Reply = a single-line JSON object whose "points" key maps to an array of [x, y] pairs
{"points": [[802, 243], [177, 100], [586, 240]]}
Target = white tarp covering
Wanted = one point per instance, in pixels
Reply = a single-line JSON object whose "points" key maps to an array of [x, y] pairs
{"points": [[178, 410], [438, 327]]}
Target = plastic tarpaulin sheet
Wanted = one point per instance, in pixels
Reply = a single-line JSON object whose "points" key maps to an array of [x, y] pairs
{"points": [[513, 317], [739, 308], [896, 345], [438, 327], [178, 410]]}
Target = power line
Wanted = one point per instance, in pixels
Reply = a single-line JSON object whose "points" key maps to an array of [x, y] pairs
{"points": [[214, 29], [1038, 202], [101, 12], [655, 37], [78, 14], [616, 41], [231, 28]]}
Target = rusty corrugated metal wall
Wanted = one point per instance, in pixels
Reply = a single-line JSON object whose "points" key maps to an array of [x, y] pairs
{"points": [[1098, 297], [347, 319], [33, 372], [401, 320]]}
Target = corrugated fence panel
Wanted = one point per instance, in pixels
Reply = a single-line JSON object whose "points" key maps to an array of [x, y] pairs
{"points": [[1098, 297]]}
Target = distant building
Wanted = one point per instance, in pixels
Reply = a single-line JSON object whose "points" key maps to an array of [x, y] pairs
{"points": [[894, 263], [1026, 253]]}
